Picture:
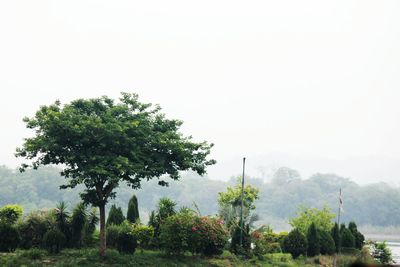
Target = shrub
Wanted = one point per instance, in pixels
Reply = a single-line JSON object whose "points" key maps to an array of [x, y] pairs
{"points": [[335, 233], [327, 245], [112, 235], [33, 254], [115, 216], [209, 235], [347, 239], [165, 208], [381, 253], [10, 213], [9, 237], [186, 231], [54, 240], [175, 232], [358, 237], [133, 210], [313, 241], [126, 241], [295, 243], [90, 228], [77, 224], [143, 235], [235, 246], [33, 228], [265, 242]]}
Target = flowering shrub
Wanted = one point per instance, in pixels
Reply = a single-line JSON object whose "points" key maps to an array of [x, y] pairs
{"points": [[187, 231]]}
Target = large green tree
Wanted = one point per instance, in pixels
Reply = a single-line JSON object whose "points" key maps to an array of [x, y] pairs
{"points": [[101, 143]]}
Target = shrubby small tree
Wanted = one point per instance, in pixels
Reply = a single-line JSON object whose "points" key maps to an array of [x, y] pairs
{"points": [[322, 218], [54, 240], [133, 210], [126, 240], [34, 227], [143, 235], [9, 237], [245, 247], [78, 221], [62, 218], [230, 203], [347, 239], [327, 244], [165, 208], [313, 241], [10, 213], [115, 216], [295, 243], [358, 237], [335, 232]]}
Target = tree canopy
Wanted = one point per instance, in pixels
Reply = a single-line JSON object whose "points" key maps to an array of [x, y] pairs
{"points": [[321, 218]]}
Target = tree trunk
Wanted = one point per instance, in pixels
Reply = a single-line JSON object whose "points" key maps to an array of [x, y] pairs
{"points": [[102, 230]]}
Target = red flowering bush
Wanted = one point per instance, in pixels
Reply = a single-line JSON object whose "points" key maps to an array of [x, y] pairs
{"points": [[186, 231]]}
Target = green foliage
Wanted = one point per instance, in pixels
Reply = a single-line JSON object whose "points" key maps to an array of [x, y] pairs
{"points": [[165, 208], [90, 227], [10, 213], [33, 228], [335, 233], [143, 235], [54, 240], [381, 253], [62, 218], [126, 240], [265, 241], [313, 241], [358, 237], [295, 243], [322, 218], [115, 216], [77, 224], [133, 210], [100, 143], [9, 237], [112, 235], [241, 248], [232, 196], [347, 239], [230, 204], [188, 232], [327, 244]]}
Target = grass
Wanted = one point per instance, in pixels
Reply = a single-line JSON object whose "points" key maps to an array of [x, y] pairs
{"points": [[90, 257]]}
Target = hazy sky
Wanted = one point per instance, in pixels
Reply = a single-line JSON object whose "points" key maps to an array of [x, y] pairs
{"points": [[315, 79]]}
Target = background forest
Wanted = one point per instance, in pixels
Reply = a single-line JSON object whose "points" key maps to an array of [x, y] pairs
{"points": [[370, 205]]}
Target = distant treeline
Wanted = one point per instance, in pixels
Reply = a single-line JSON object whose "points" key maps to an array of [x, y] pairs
{"points": [[375, 204]]}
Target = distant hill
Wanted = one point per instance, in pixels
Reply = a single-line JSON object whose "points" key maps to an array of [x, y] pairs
{"points": [[374, 204]]}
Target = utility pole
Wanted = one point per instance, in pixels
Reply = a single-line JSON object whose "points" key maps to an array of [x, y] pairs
{"points": [[241, 206]]}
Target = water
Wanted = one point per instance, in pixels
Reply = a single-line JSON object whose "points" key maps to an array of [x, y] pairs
{"points": [[395, 248]]}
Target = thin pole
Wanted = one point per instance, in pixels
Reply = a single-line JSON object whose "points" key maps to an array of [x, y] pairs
{"points": [[241, 206], [340, 206], [338, 222]]}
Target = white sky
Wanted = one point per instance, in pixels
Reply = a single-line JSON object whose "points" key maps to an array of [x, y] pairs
{"points": [[304, 78]]}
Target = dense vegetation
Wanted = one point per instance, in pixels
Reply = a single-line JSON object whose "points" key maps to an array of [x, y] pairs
{"points": [[184, 231], [375, 204]]}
